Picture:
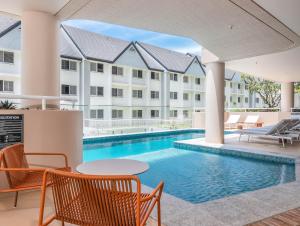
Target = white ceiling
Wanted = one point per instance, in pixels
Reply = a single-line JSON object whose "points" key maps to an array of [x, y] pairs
{"points": [[283, 66], [16, 7], [231, 29]]}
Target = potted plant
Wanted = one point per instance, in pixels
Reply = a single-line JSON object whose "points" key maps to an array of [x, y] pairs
{"points": [[7, 105]]}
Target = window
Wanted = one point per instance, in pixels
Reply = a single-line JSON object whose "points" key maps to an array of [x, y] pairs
{"points": [[96, 114], [173, 77], [239, 100], [117, 92], [257, 100], [197, 97], [230, 84], [239, 86], [117, 70], [230, 99], [137, 73], [154, 95], [137, 113], [154, 75], [173, 113], [246, 87], [246, 100], [117, 114], [68, 90], [137, 93], [6, 86], [198, 81], [185, 96], [185, 79], [154, 113], [173, 95], [68, 65], [96, 67], [185, 113], [6, 57], [96, 91]]}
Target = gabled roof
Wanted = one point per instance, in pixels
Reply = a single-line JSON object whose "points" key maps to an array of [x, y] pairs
{"points": [[11, 37], [149, 60], [7, 23], [94, 46], [171, 60], [232, 76], [67, 49]]}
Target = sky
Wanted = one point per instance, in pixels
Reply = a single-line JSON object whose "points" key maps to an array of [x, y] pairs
{"points": [[176, 43]]}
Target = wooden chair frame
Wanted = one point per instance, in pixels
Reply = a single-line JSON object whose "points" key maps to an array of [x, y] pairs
{"points": [[37, 171], [144, 203]]}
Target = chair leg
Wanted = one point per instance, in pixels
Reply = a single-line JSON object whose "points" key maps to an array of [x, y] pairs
{"points": [[62, 223], [16, 199], [158, 213]]}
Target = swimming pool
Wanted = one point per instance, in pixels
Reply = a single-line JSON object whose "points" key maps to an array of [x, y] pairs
{"points": [[193, 175]]}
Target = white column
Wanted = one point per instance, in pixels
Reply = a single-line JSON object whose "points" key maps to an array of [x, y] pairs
{"points": [[287, 96], [165, 95], [86, 83], [40, 55], [214, 116]]}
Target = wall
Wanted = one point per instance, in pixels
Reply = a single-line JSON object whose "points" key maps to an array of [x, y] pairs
{"points": [[268, 118], [51, 131]]}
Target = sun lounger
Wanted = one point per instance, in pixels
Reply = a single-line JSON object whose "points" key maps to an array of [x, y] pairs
{"points": [[251, 120], [282, 131], [232, 121]]}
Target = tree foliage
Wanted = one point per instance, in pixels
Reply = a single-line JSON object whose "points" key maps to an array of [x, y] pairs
{"points": [[269, 91]]}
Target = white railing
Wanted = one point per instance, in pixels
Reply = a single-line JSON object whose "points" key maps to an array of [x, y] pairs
{"points": [[43, 99], [136, 123], [237, 109]]}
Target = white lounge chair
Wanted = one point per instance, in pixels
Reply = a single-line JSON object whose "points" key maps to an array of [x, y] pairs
{"points": [[251, 120], [281, 131], [232, 121]]}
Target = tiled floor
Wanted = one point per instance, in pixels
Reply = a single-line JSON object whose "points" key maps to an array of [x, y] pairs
{"points": [[239, 209]]}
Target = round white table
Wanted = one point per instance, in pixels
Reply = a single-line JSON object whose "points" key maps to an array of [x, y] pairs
{"points": [[113, 167]]}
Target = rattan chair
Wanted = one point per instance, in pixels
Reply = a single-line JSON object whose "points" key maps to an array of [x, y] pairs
{"points": [[98, 200], [20, 177]]}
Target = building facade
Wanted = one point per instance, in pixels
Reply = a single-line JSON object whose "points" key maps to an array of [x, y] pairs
{"points": [[114, 79]]}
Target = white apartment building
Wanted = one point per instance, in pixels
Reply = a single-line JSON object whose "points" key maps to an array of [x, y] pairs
{"points": [[117, 79]]}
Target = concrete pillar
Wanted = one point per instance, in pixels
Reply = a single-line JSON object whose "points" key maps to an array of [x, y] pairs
{"points": [[214, 116], [40, 56], [287, 96]]}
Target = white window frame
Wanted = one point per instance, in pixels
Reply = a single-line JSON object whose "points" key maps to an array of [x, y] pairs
{"points": [[116, 114], [185, 79], [99, 113], [155, 115], [6, 86], [69, 68], [137, 73], [70, 88], [97, 90], [154, 94], [119, 92], [94, 67], [137, 113], [173, 95], [3, 58], [154, 75], [137, 93], [119, 70]]}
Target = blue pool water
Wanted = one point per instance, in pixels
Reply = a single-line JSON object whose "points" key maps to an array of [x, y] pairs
{"points": [[194, 176]]}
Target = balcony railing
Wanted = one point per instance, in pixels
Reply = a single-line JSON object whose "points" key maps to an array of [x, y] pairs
{"points": [[42, 99]]}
